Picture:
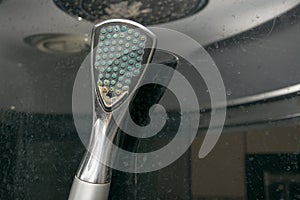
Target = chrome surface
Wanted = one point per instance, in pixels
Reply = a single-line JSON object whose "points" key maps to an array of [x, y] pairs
{"points": [[88, 191], [91, 169]]}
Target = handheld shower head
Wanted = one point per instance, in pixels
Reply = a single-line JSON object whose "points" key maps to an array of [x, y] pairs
{"points": [[121, 52]]}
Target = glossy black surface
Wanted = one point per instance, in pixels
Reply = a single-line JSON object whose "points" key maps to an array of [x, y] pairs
{"points": [[257, 152]]}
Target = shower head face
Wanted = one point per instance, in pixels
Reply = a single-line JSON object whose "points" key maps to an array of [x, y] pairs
{"points": [[122, 50]]}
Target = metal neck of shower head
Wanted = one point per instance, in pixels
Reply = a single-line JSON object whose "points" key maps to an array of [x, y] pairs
{"points": [[121, 52]]}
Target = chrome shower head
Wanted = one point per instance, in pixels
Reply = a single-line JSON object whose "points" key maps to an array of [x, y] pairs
{"points": [[121, 53]]}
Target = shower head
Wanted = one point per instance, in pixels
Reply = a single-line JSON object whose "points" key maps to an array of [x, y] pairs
{"points": [[121, 52]]}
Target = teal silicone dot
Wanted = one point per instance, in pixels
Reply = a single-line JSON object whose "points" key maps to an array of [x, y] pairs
{"points": [[129, 68], [133, 48], [114, 75], [128, 38], [136, 34], [111, 89], [105, 49], [102, 38], [116, 69], [103, 63], [126, 51], [131, 62], [106, 82], [97, 64], [99, 51], [114, 42], [108, 69], [109, 62], [119, 85], [142, 45], [117, 28], [100, 44], [123, 65], [143, 38], [127, 81], [132, 55], [125, 88], [113, 82], [140, 52], [101, 76], [123, 28], [110, 29], [112, 49], [128, 75], [122, 71], [119, 49], [138, 65], [107, 43], [118, 55], [122, 35], [102, 69], [100, 83], [121, 42], [136, 72], [134, 41], [104, 56], [111, 55], [108, 36], [139, 58], [124, 58], [98, 57], [121, 78], [103, 30], [115, 36], [130, 31], [107, 75], [117, 62], [127, 45]]}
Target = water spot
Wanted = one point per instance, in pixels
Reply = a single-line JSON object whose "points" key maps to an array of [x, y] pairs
{"points": [[229, 92], [125, 164]]}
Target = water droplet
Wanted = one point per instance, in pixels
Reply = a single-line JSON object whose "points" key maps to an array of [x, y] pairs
{"points": [[229, 92]]}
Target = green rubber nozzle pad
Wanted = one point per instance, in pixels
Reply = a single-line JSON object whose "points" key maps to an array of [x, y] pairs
{"points": [[118, 57]]}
